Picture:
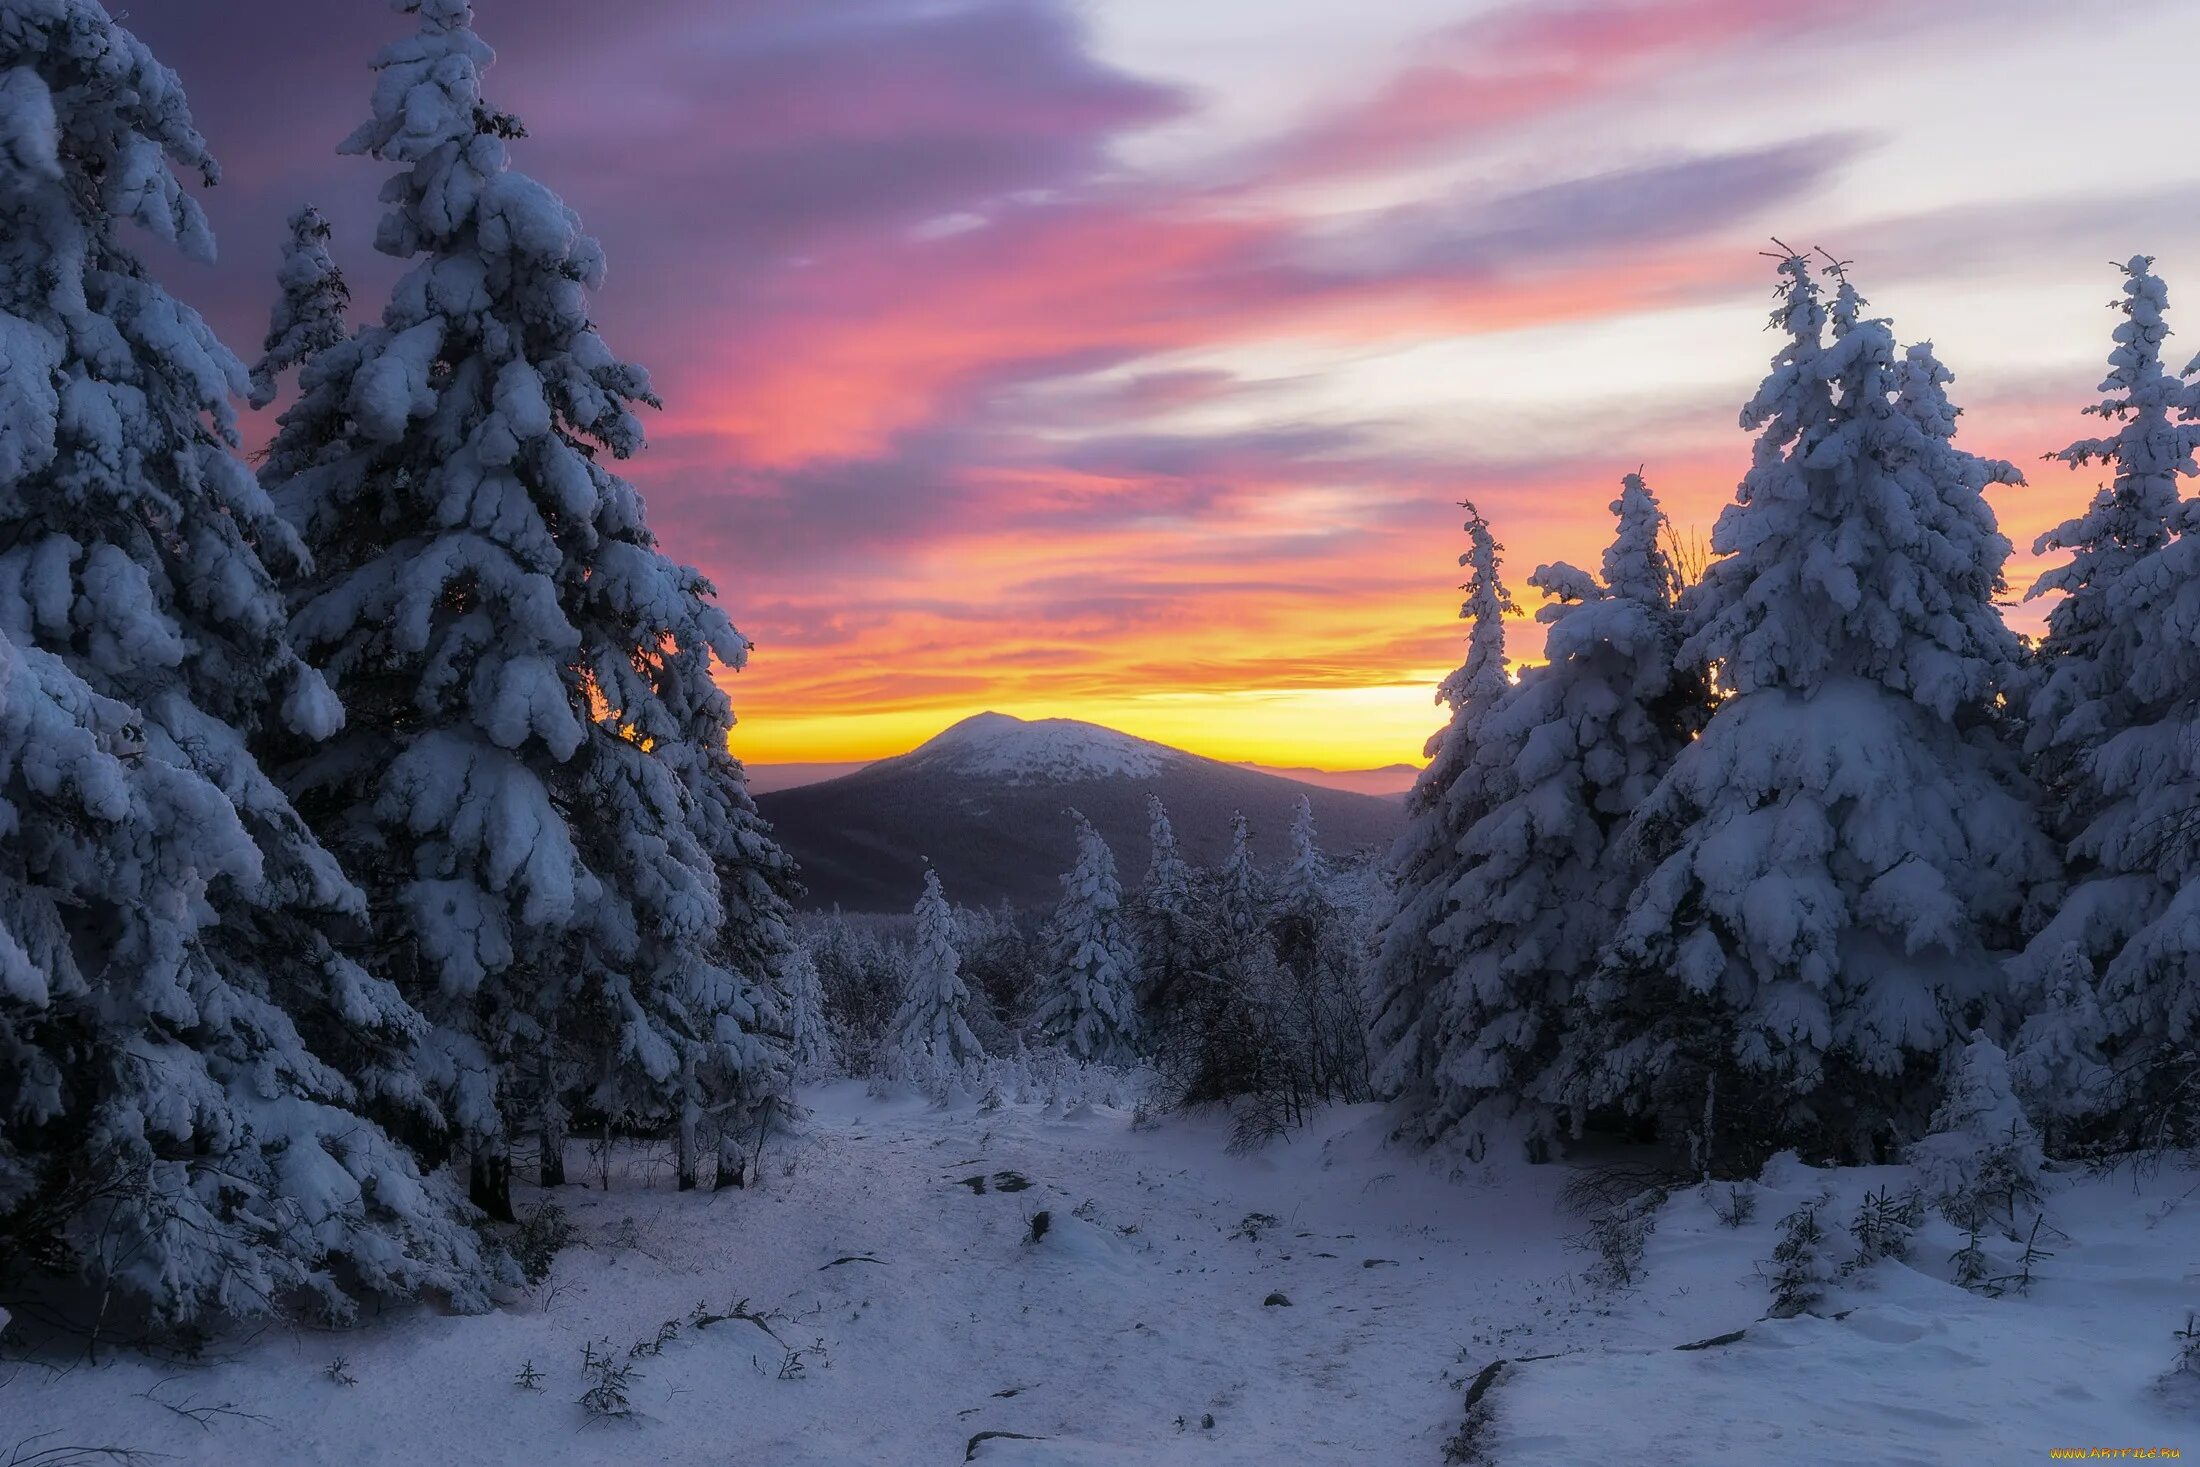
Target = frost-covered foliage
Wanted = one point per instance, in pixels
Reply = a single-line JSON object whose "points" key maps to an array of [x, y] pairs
{"points": [[309, 309], [809, 1037], [932, 1024], [189, 1068], [1005, 960], [1415, 952], [2119, 725], [1090, 1006], [1261, 1009], [1838, 858], [2057, 1063], [1242, 895], [1541, 880], [1883, 1224], [1322, 930], [1803, 1266], [562, 862], [1305, 884], [1163, 920], [2090, 649], [862, 980], [1981, 1159]]}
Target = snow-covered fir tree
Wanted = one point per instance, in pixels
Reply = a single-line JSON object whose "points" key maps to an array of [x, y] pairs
{"points": [[309, 307], [1167, 927], [2088, 651], [562, 863], [1981, 1156], [1839, 858], [190, 1071], [932, 1028], [736, 1061], [1416, 948], [1305, 884], [809, 1036], [1090, 1005], [1320, 939], [2057, 1061], [1241, 891], [2115, 725], [1542, 879]]}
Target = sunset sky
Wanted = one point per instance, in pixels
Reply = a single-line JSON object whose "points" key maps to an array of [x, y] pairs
{"points": [[1125, 360]]}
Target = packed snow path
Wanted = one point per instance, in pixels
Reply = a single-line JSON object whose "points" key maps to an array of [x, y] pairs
{"points": [[899, 1311]]}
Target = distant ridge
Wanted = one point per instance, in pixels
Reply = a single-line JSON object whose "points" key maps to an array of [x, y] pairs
{"points": [[986, 799], [1390, 782]]}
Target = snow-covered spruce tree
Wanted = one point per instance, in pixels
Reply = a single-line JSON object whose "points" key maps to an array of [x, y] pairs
{"points": [[1241, 893], [1305, 885], [2057, 1064], [189, 1065], [1165, 922], [2115, 725], [1543, 877], [1415, 949], [562, 864], [931, 1030], [2088, 652], [1981, 1159], [1090, 1005], [739, 1066], [1320, 949], [309, 309], [1836, 863], [1303, 919], [809, 1037]]}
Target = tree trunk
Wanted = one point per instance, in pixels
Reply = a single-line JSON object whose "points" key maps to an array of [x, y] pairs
{"points": [[553, 1113], [489, 1184], [685, 1162]]}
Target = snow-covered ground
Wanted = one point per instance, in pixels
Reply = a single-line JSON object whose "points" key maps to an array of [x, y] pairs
{"points": [[1135, 1328]]}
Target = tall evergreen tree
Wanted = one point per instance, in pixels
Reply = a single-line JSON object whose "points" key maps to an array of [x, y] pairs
{"points": [[1305, 886], [1543, 877], [189, 1062], [1241, 894], [933, 1024], [2115, 724], [1167, 927], [1091, 999], [1320, 944], [1416, 947], [2088, 652], [562, 862], [1837, 859], [309, 307]]}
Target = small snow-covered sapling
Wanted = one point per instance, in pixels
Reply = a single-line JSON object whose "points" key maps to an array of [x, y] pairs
{"points": [[1736, 1208], [1801, 1265], [1882, 1225], [609, 1381]]}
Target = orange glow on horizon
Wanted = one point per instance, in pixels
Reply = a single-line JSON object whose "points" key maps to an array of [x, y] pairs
{"points": [[1336, 670]]}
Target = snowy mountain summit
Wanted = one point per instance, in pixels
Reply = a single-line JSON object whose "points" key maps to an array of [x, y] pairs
{"points": [[986, 802], [1011, 750]]}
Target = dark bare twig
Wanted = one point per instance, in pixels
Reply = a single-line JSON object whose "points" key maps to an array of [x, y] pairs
{"points": [[202, 1417], [22, 1455]]}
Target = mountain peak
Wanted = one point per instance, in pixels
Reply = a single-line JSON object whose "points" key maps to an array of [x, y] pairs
{"points": [[1042, 750]]}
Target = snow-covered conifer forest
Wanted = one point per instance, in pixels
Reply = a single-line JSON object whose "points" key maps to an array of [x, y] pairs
{"points": [[1775, 1035]]}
